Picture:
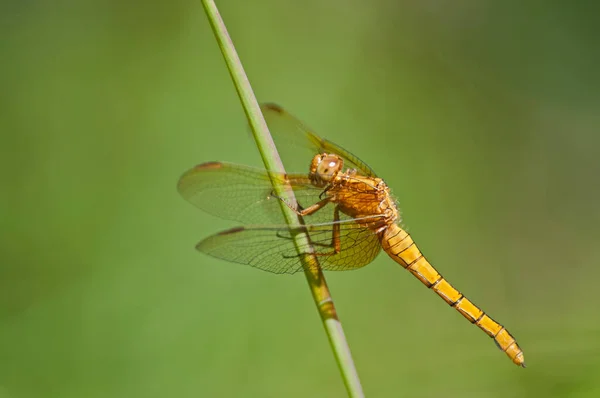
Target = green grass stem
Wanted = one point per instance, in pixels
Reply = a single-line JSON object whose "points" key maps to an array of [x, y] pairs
{"points": [[272, 161]]}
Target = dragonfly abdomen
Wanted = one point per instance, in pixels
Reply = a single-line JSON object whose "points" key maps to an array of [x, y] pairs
{"points": [[398, 244]]}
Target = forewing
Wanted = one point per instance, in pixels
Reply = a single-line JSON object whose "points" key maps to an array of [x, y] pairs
{"points": [[245, 194], [241, 193], [287, 130], [272, 248]]}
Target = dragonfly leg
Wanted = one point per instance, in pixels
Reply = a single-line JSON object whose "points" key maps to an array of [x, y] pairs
{"points": [[309, 210], [336, 242], [314, 208], [324, 192]]}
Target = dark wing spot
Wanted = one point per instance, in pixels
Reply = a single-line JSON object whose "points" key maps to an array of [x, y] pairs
{"points": [[231, 231], [274, 107], [209, 165]]}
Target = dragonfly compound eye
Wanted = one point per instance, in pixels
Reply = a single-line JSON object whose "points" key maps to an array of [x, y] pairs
{"points": [[329, 167]]}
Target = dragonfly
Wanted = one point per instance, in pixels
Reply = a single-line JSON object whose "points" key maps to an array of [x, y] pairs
{"points": [[348, 213]]}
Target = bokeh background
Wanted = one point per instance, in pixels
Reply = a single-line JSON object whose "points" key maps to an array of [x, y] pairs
{"points": [[483, 116]]}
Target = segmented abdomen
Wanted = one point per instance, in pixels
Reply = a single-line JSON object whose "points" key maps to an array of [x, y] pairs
{"points": [[398, 244]]}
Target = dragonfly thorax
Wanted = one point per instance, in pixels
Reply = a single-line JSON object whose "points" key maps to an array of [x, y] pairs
{"points": [[357, 196], [324, 168]]}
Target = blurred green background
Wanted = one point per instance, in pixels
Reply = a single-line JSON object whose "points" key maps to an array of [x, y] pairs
{"points": [[481, 115]]}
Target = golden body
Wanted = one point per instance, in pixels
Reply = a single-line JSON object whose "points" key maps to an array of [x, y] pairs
{"points": [[369, 199], [361, 219]]}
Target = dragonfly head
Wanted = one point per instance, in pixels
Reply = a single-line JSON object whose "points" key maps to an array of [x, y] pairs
{"points": [[324, 168]]}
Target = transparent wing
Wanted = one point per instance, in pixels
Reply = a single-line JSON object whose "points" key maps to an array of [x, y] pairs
{"points": [[272, 249], [289, 131], [244, 194]]}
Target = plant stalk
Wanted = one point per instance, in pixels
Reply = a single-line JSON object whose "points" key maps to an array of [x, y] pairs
{"points": [[314, 275]]}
